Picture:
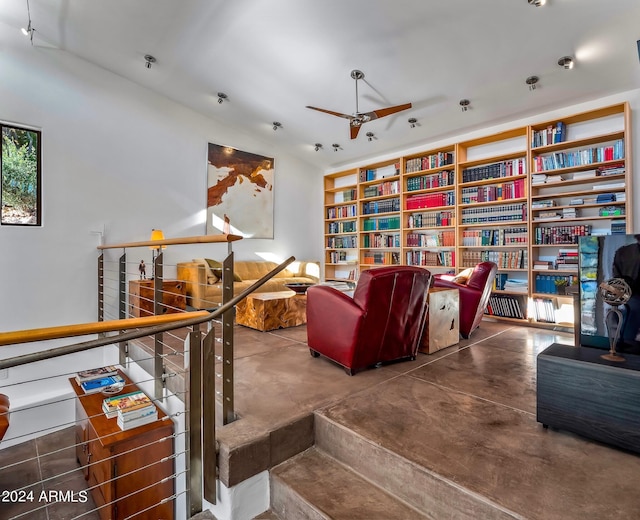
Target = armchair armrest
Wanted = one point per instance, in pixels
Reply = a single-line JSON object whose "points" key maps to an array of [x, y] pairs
{"points": [[333, 322]]}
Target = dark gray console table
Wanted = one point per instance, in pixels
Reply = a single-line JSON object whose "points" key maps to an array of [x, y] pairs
{"points": [[580, 392]]}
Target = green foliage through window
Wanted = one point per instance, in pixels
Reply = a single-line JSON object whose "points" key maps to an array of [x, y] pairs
{"points": [[20, 172]]}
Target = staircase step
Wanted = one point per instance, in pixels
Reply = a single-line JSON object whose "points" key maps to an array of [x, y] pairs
{"points": [[314, 486], [415, 485]]}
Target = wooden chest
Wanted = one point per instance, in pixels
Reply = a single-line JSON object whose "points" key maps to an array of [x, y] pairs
{"points": [[124, 469], [174, 297]]}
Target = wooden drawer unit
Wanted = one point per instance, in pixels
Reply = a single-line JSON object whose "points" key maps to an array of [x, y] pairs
{"points": [[174, 297], [124, 468]]}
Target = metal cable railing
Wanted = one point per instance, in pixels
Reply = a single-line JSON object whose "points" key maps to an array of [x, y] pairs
{"points": [[189, 467]]}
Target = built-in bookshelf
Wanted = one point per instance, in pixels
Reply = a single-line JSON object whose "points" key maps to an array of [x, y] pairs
{"points": [[519, 198]]}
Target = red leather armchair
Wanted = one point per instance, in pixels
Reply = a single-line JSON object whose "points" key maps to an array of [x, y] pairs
{"points": [[4, 415], [382, 322], [474, 294]]}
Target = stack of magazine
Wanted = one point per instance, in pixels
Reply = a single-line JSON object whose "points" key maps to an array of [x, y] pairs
{"points": [[97, 379], [132, 410]]}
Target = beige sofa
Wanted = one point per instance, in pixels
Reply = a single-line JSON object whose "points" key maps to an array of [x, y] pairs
{"points": [[204, 288]]}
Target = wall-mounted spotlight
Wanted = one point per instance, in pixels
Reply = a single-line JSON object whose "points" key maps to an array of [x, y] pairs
{"points": [[532, 81], [537, 3], [336, 147], [149, 60], [276, 125], [317, 147], [413, 122], [371, 136], [221, 97], [464, 104], [566, 62]]}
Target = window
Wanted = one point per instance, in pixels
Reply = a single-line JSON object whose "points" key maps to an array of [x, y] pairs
{"points": [[20, 171]]}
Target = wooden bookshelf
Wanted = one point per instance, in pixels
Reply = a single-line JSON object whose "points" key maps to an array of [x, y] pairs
{"points": [[490, 198]]}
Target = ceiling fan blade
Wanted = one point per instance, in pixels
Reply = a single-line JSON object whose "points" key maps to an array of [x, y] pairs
{"points": [[330, 112], [381, 112], [354, 131]]}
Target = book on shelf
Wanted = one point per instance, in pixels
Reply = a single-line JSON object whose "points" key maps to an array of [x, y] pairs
{"points": [[539, 265], [576, 202], [110, 404], [586, 174], [96, 373], [93, 386], [515, 285], [609, 186], [541, 204]]}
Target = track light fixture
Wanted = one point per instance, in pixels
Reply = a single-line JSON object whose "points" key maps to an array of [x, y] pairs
{"points": [[537, 3], [566, 62], [413, 122], [370, 136], [336, 147], [149, 60], [464, 104], [532, 81], [221, 97], [29, 30], [276, 125], [317, 147]]}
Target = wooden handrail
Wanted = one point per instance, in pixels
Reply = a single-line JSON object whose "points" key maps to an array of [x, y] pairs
{"points": [[204, 239], [83, 329]]}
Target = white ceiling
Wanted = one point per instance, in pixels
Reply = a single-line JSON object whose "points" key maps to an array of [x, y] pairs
{"points": [[274, 57]]}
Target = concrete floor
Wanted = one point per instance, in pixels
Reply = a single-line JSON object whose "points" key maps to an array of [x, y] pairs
{"points": [[466, 413]]}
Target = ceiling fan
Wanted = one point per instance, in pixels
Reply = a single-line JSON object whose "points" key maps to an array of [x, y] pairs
{"points": [[357, 119]]}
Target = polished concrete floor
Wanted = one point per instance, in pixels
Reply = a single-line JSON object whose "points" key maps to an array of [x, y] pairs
{"points": [[466, 412]]}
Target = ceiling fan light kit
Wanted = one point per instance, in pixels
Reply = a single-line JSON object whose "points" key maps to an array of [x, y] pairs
{"points": [[357, 119]]}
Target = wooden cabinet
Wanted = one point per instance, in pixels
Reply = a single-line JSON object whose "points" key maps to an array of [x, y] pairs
{"points": [[141, 303], [124, 469], [505, 198]]}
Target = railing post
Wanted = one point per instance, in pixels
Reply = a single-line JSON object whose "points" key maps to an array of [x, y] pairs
{"points": [[158, 358], [193, 420], [122, 303], [228, 410], [101, 287], [209, 460]]}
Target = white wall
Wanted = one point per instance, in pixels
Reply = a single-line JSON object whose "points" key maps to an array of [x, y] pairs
{"points": [[119, 157]]}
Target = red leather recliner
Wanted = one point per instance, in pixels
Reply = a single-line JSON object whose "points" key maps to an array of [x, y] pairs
{"points": [[382, 322], [4, 415], [474, 294]]}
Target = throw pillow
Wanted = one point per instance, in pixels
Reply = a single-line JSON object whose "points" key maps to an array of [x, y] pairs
{"points": [[216, 269], [463, 276]]}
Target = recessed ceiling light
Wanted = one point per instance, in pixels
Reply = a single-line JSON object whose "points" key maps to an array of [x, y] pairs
{"points": [[276, 125], [317, 147], [464, 104], [149, 60], [413, 122], [336, 147], [221, 97], [537, 3], [566, 62], [532, 81]]}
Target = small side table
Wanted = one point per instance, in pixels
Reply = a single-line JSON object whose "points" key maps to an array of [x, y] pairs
{"points": [[174, 297], [272, 310], [442, 328]]}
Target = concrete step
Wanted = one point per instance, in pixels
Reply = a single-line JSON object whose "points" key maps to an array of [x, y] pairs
{"points": [[314, 486], [410, 482]]}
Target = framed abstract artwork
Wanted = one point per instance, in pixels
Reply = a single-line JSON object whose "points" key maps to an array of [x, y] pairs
{"points": [[240, 191]]}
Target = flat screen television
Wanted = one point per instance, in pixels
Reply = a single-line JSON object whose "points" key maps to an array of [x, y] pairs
{"points": [[600, 259]]}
